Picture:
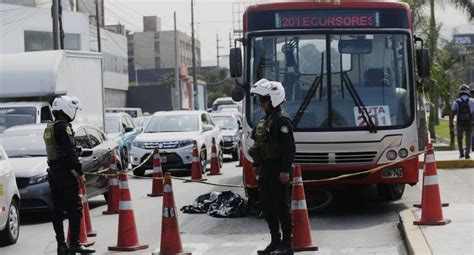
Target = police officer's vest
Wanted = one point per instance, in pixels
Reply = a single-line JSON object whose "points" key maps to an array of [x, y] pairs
{"points": [[266, 146], [53, 151]]}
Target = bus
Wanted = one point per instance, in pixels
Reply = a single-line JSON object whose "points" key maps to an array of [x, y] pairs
{"points": [[351, 72]]}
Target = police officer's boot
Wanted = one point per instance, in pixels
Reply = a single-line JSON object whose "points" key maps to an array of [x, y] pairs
{"points": [[76, 247], [274, 244], [62, 248], [285, 247]]}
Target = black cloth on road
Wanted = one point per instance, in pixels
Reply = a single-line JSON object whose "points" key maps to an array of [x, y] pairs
{"points": [[226, 204]]}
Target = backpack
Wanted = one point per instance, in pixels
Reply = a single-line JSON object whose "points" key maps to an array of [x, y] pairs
{"points": [[464, 112]]}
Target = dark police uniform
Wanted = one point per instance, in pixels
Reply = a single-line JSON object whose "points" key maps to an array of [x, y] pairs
{"points": [[62, 158], [274, 152]]}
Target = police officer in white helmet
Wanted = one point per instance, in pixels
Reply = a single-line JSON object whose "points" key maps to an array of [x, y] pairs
{"points": [[65, 173], [273, 153]]}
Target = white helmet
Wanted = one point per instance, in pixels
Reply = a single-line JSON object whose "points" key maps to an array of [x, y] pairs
{"points": [[273, 89], [68, 105]]}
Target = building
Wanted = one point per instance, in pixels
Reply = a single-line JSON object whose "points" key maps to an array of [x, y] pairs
{"points": [[155, 49], [28, 28]]}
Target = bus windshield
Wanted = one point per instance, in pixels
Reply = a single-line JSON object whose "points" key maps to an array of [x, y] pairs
{"points": [[367, 73]]}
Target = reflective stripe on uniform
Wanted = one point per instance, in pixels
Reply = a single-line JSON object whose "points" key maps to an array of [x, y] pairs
{"points": [[297, 180], [167, 188], [430, 158], [169, 212], [157, 169], [123, 185], [298, 205], [113, 181], [125, 205], [430, 180]]}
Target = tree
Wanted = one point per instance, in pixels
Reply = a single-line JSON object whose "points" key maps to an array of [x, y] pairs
{"points": [[218, 83]]}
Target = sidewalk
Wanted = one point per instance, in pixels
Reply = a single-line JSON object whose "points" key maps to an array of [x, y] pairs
{"points": [[454, 238], [449, 159]]}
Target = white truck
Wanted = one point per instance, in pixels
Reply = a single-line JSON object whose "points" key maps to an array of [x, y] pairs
{"points": [[30, 81]]}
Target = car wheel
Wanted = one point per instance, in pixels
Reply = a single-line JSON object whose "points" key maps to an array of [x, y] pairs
{"points": [[139, 171], [12, 230], [391, 191], [124, 156], [236, 154], [203, 160]]}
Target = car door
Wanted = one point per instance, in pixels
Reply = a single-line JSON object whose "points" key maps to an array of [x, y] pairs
{"points": [[5, 171], [130, 136], [87, 162], [100, 157], [207, 136]]}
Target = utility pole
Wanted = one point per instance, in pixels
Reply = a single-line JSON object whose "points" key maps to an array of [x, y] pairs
{"points": [[217, 48], [176, 67], [99, 46], [55, 16], [195, 102], [230, 40]]}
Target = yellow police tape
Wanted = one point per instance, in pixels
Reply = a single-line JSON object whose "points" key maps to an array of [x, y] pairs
{"points": [[343, 176]]}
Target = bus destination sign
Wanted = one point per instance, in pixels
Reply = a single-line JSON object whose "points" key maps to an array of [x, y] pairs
{"points": [[327, 19]]}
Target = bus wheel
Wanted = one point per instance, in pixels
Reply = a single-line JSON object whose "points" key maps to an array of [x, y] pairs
{"points": [[391, 191], [318, 199]]}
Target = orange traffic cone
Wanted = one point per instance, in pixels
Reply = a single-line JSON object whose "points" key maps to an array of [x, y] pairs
{"points": [[299, 213], [170, 238], [431, 211], [157, 185], [429, 146], [114, 190], [87, 215], [83, 231], [215, 168], [127, 238], [196, 174]]}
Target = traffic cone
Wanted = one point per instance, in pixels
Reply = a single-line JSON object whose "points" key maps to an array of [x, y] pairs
{"points": [[114, 190], [157, 185], [429, 146], [127, 238], [215, 168], [301, 230], [196, 174], [431, 211], [87, 215], [170, 237], [83, 229]]}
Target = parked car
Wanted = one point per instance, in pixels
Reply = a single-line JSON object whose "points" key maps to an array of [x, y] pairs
{"points": [[27, 152], [120, 127], [141, 122], [230, 124], [218, 104], [173, 133], [9, 202], [134, 112]]}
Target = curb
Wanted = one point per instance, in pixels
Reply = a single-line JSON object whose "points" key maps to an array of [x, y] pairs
{"points": [[447, 164], [414, 238]]}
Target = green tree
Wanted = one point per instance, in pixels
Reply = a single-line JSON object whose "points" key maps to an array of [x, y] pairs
{"points": [[219, 84]]}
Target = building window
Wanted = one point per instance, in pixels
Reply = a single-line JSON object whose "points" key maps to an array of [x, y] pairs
{"points": [[157, 62], [39, 40], [157, 48]]}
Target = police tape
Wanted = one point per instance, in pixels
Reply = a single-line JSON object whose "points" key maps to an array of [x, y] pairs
{"points": [[343, 176]]}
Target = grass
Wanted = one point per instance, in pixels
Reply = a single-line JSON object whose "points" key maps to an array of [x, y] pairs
{"points": [[442, 129]]}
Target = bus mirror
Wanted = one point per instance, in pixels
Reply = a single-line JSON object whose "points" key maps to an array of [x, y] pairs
{"points": [[235, 62], [356, 46], [238, 93], [423, 63]]}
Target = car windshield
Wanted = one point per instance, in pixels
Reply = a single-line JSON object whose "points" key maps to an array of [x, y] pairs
{"points": [[112, 125], [225, 123], [23, 143], [173, 123], [366, 71]]}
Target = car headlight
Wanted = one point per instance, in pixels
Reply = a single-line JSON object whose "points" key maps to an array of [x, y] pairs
{"points": [[185, 143], [391, 155], [38, 179], [139, 144]]}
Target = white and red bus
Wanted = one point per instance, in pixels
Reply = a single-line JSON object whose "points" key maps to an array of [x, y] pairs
{"points": [[348, 68]]}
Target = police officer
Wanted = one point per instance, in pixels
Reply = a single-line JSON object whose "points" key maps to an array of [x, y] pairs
{"points": [[273, 153], [65, 173], [463, 107]]}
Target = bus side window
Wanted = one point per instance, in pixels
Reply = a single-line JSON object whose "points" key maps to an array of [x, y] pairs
{"points": [[46, 114]]}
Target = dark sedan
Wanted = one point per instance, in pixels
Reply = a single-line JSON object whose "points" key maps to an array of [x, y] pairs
{"points": [[26, 149]]}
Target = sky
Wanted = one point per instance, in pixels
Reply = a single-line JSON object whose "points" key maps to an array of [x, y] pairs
{"points": [[216, 17]]}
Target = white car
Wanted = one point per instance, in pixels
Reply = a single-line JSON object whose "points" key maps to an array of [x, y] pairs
{"points": [[173, 133], [9, 202]]}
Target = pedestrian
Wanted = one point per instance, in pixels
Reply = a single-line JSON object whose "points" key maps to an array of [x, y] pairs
{"points": [[463, 108], [273, 153], [65, 174]]}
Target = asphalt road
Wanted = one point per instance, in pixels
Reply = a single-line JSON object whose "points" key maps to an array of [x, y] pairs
{"points": [[356, 223]]}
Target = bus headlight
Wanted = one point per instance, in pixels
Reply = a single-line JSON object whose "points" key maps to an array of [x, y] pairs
{"points": [[391, 155], [403, 153]]}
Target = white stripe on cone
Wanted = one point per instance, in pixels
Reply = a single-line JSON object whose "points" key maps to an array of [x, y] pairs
{"points": [[123, 185], [113, 182], [195, 159], [430, 180], [297, 180], [167, 188], [298, 205], [157, 169], [125, 205], [213, 155], [430, 158], [169, 212]]}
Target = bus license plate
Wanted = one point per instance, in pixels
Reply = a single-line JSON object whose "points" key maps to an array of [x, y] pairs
{"points": [[163, 159], [392, 173]]}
